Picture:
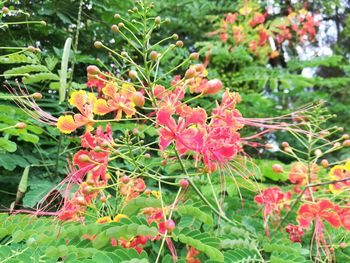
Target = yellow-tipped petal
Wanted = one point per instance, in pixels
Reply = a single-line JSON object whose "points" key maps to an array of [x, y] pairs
{"points": [[110, 89], [78, 99], [66, 124], [101, 107]]}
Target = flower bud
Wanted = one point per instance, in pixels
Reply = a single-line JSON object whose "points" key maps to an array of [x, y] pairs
{"points": [[92, 70], [318, 152], [97, 149], [125, 179], [90, 181], [346, 143], [164, 162], [117, 16], [268, 146], [153, 55], [343, 245], [124, 54], [190, 73], [21, 125], [135, 9], [175, 36], [132, 74], [167, 20], [84, 158], [324, 133], [194, 56], [121, 25], [213, 86], [115, 28], [285, 144], [43, 23], [345, 136], [341, 129], [157, 20], [147, 156], [103, 199], [136, 131], [138, 99], [179, 44], [337, 144], [288, 149], [277, 168], [37, 95], [199, 68], [31, 49], [324, 163], [184, 183], [80, 200], [147, 191], [170, 225], [98, 44], [5, 10]]}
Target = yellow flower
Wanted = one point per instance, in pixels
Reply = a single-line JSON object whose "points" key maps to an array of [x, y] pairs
{"points": [[339, 172]]}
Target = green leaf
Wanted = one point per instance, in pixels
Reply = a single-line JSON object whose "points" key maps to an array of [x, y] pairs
{"points": [[40, 77], [18, 236], [24, 69], [7, 145], [134, 205], [195, 212], [100, 257]]}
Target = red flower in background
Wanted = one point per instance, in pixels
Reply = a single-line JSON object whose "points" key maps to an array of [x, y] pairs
{"points": [[257, 19], [298, 175], [295, 232], [133, 188], [96, 82], [273, 201]]}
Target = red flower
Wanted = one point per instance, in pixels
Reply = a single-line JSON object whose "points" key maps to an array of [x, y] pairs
{"points": [[96, 82], [96, 162], [344, 215], [133, 188], [190, 257], [295, 232], [257, 19], [273, 200], [231, 18], [324, 210], [186, 138]]}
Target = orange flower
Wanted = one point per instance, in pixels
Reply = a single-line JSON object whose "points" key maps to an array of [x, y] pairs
{"points": [[84, 102], [298, 174], [117, 100]]}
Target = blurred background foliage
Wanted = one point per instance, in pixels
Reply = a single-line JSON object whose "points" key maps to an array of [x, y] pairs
{"points": [[271, 89]]}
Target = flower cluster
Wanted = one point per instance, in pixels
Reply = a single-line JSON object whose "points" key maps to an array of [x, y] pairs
{"points": [[114, 98], [251, 28], [214, 142]]}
